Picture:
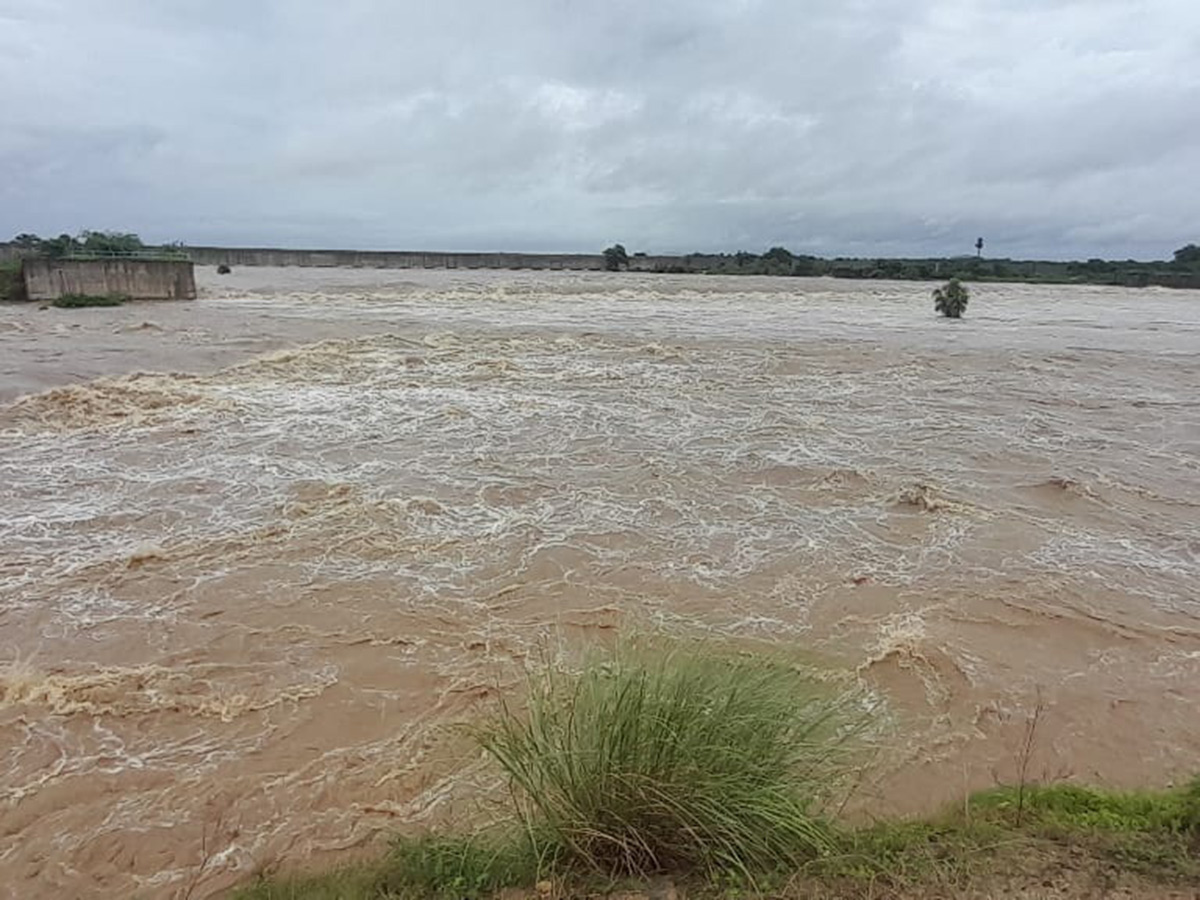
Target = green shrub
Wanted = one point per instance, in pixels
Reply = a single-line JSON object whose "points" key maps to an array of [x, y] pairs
{"points": [[675, 760], [75, 301], [951, 300]]}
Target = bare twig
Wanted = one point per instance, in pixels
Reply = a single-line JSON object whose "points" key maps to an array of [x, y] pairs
{"points": [[1031, 727], [208, 844]]}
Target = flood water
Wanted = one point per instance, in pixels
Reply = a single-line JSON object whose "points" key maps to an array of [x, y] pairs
{"points": [[259, 551]]}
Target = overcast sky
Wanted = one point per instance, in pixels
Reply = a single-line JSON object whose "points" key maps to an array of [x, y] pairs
{"points": [[1052, 128]]}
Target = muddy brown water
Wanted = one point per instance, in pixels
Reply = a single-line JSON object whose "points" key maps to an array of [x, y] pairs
{"points": [[260, 550]]}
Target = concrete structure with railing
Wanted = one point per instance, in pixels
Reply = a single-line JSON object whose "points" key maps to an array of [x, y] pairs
{"points": [[135, 278]]}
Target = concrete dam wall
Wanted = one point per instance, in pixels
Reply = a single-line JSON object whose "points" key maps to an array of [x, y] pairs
{"points": [[389, 259], [410, 259], [139, 279]]}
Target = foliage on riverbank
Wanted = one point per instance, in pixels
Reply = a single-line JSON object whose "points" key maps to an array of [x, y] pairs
{"points": [[1183, 271], [712, 772], [1079, 840]]}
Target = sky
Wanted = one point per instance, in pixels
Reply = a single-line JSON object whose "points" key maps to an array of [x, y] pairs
{"points": [[1051, 128]]}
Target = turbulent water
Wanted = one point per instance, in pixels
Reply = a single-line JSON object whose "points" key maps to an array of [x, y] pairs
{"points": [[241, 598]]}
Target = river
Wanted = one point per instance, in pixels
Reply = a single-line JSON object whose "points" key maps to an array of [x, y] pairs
{"points": [[262, 549]]}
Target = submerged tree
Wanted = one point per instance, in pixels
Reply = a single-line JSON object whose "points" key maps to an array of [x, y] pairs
{"points": [[951, 300], [615, 258]]}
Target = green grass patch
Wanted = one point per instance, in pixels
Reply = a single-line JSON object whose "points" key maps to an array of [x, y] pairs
{"points": [[360, 882], [77, 301], [1153, 833], [430, 865], [1069, 807], [427, 867], [475, 866]]}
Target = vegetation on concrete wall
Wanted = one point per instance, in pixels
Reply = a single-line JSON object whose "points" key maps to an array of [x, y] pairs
{"points": [[89, 243], [12, 284]]}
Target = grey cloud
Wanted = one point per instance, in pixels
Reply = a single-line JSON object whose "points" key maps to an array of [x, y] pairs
{"points": [[1053, 128]]}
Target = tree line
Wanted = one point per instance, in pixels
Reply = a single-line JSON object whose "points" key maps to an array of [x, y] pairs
{"points": [[100, 243], [1181, 271]]}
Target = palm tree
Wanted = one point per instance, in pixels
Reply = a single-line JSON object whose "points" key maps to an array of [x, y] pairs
{"points": [[951, 300]]}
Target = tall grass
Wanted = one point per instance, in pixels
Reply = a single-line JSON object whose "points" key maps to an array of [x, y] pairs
{"points": [[674, 759]]}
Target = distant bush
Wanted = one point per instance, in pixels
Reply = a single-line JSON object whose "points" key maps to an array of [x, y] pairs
{"points": [[951, 300], [12, 283], [223, 269], [76, 301], [616, 258]]}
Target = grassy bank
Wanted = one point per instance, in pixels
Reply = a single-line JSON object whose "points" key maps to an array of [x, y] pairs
{"points": [[721, 774]]}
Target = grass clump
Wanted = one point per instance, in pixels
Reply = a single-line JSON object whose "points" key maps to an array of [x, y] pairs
{"points": [[688, 760], [76, 301], [676, 759]]}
